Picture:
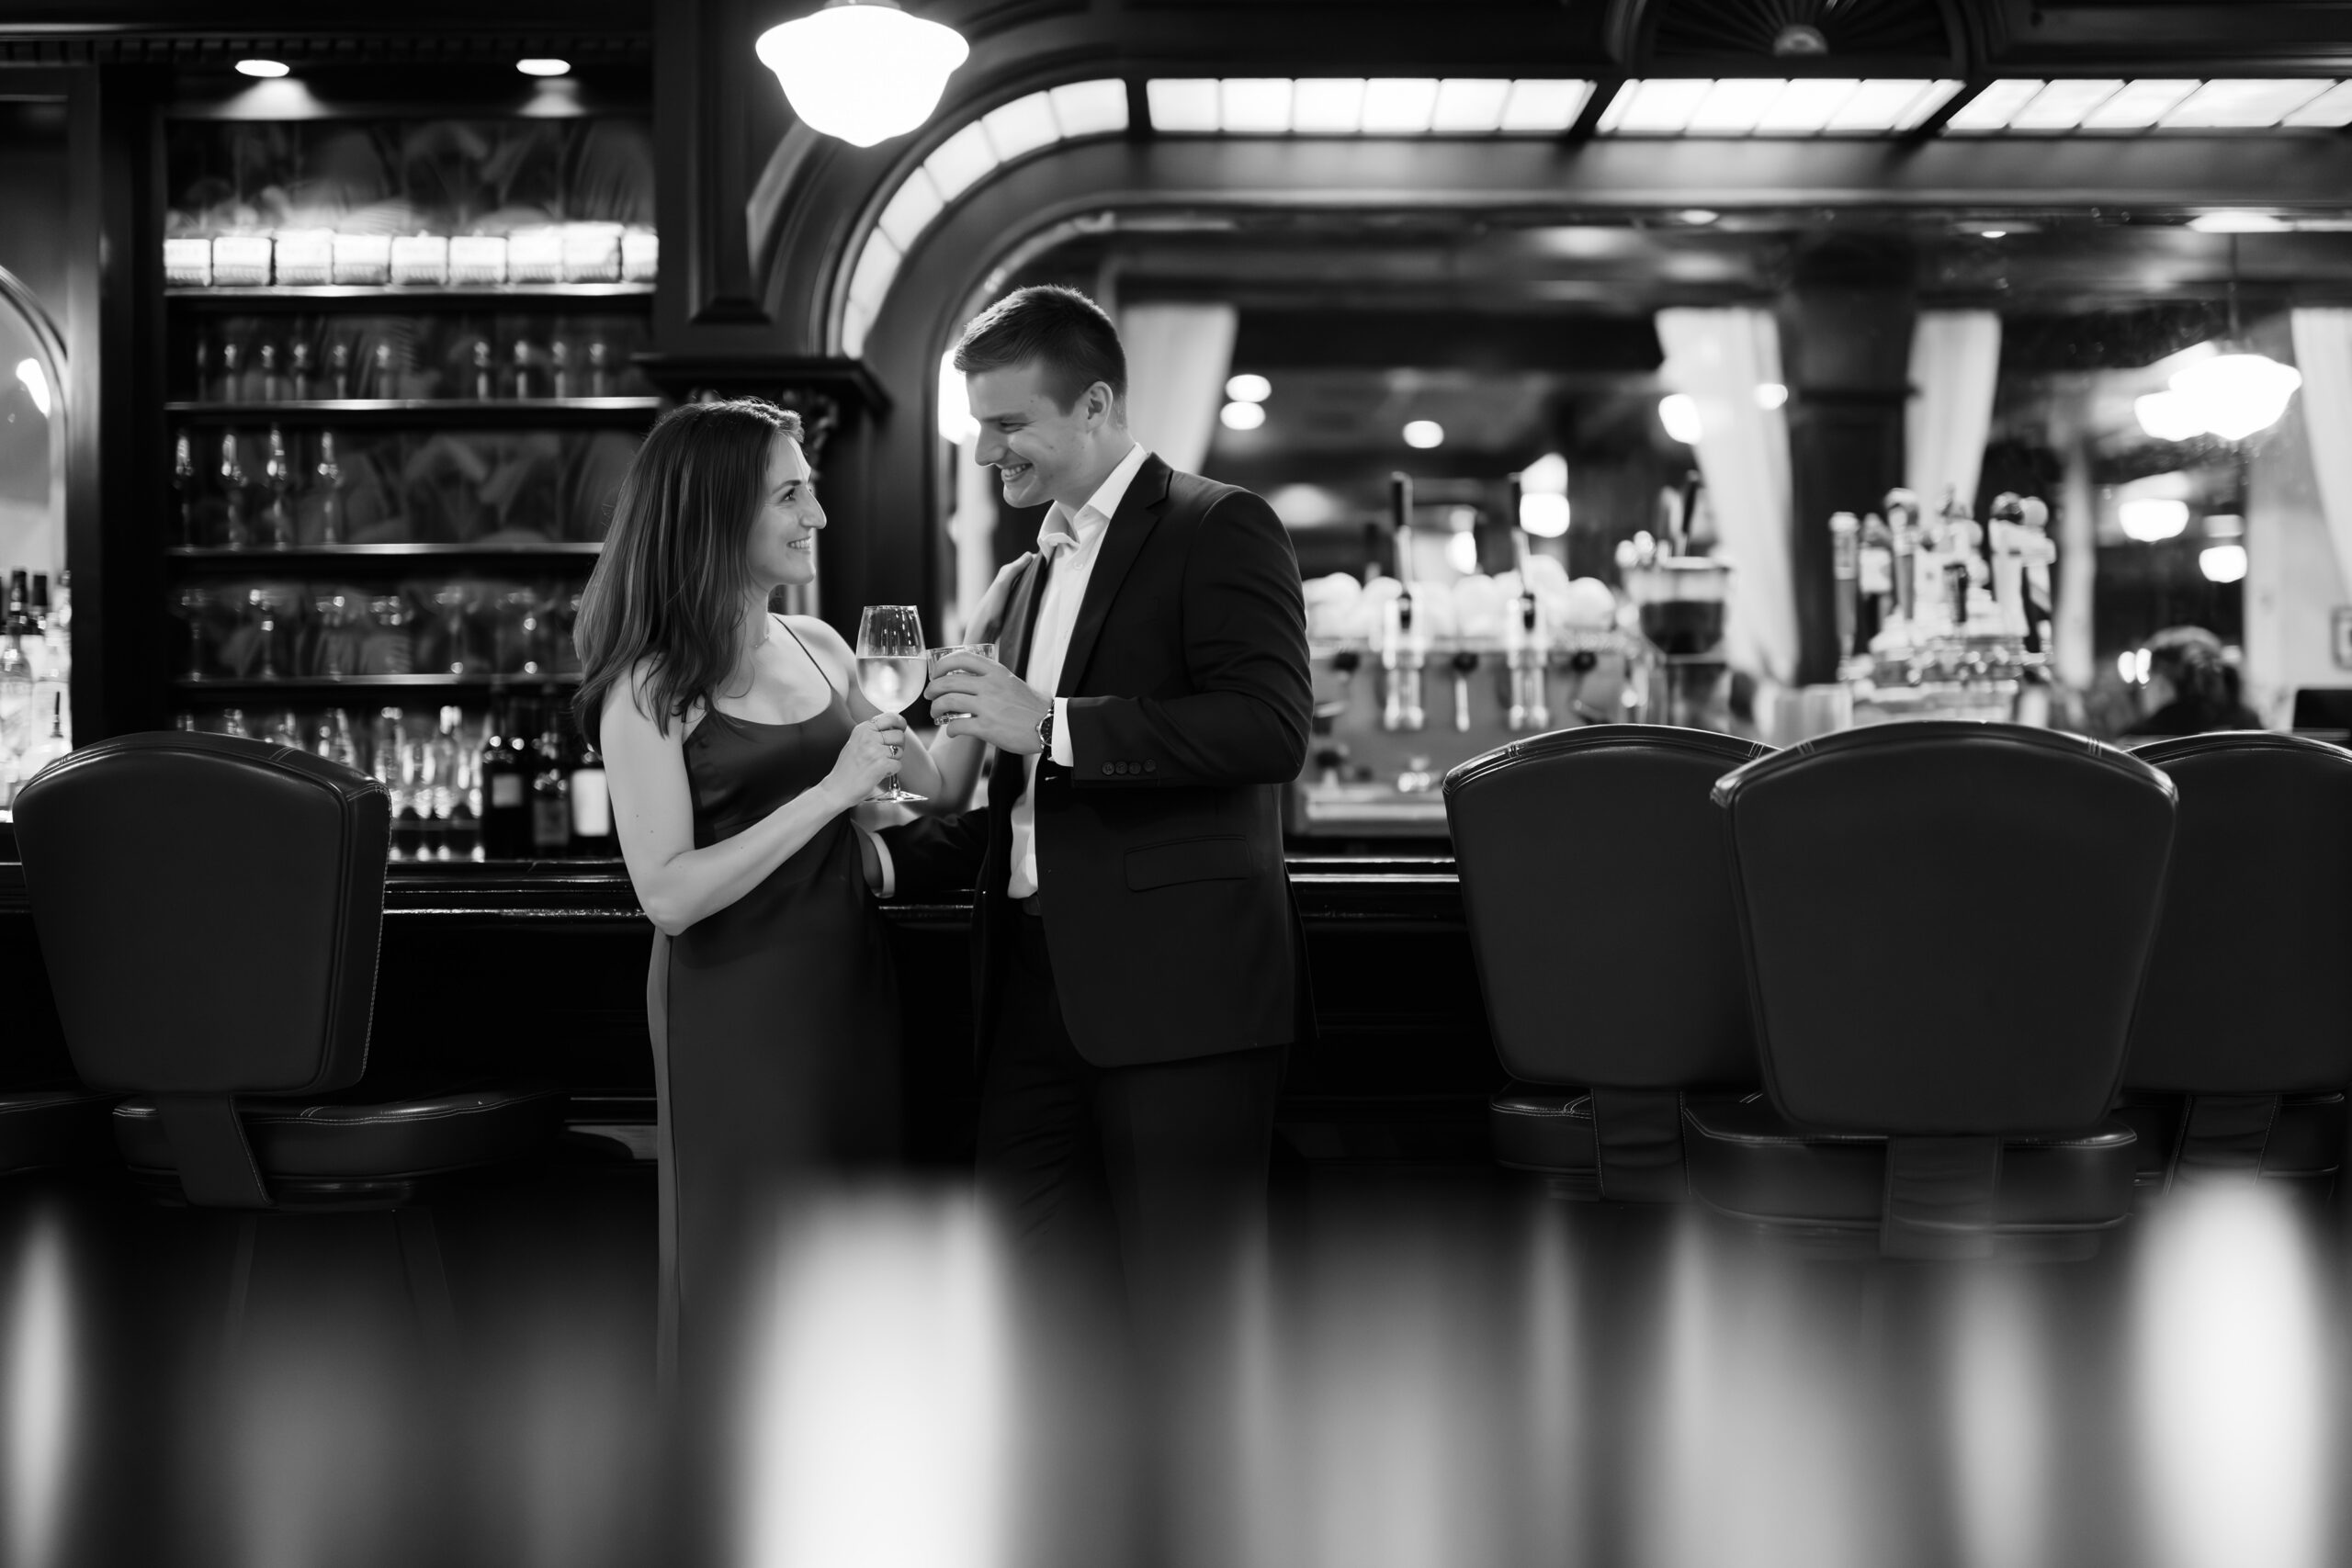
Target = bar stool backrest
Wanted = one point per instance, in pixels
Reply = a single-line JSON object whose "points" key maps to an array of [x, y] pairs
{"points": [[1947, 924], [2250, 988], [1600, 903], [209, 909]]}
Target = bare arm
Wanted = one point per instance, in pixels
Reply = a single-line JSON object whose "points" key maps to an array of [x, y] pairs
{"points": [[678, 884]]}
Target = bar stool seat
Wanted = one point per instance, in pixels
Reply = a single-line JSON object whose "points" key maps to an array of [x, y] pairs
{"points": [[1751, 1163], [300, 1144], [42, 1127], [1536, 1128]]}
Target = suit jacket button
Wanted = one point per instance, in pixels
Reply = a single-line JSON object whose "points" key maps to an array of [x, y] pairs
{"points": [[1107, 767]]}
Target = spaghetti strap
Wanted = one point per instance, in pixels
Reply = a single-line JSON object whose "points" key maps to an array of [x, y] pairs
{"points": [[785, 623]]}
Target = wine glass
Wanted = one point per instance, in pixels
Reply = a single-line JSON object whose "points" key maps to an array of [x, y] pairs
{"points": [[891, 665]]}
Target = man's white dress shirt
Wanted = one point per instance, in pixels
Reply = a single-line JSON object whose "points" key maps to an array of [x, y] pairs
{"points": [[1071, 543]]}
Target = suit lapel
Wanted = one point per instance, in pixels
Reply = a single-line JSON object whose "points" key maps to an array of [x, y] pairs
{"points": [[1121, 542], [1019, 626]]}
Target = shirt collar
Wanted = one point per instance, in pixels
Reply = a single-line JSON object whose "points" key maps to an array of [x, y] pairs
{"points": [[1099, 508]]}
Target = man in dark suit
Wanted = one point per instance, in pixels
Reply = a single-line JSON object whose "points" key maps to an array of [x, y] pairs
{"points": [[1136, 956]]}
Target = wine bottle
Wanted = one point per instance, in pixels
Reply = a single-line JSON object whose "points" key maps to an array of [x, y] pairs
{"points": [[550, 787], [505, 784], [592, 801]]}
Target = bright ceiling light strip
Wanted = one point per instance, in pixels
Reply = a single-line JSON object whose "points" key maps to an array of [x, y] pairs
{"points": [[1990, 109], [2240, 104], [1398, 105], [1806, 105], [1091, 108], [1254, 106], [961, 162], [2140, 104], [2330, 111], [1895, 104], [1182, 105], [1735, 106], [1021, 127], [1541, 105], [1659, 108], [2061, 106], [912, 207], [1469, 105], [1328, 105]]}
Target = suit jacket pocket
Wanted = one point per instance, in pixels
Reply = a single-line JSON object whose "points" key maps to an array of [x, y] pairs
{"points": [[1188, 859]]}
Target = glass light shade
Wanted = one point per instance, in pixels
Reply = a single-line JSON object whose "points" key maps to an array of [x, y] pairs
{"points": [[2150, 518], [1242, 416], [2221, 563], [2235, 395], [1545, 516], [2168, 416], [862, 70], [1679, 411], [1249, 388], [1423, 434], [1548, 475]]}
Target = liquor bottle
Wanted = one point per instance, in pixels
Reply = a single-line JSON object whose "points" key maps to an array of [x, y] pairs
{"points": [[559, 369], [599, 376], [232, 722], [235, 534], [273, 386], [462, 838], [334, 740], [505, 784], [53, 739], [330, 472], [444, 751], [232, 372], [184, 483], [298, 370], [278, 473], [16, 685], [385, 384], [523, 386], [204, 388], [1876, 576], [485, 376], [52, 654], [339, 370], [592, 801], [550, 787]]}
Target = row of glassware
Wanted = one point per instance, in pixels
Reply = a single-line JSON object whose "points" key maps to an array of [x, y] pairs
{"points": [[469, 359], [277, 630], [285, 486], [547, 253]]}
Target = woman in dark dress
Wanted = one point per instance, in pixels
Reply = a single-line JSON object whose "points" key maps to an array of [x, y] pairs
{"points": [[736, 743]]}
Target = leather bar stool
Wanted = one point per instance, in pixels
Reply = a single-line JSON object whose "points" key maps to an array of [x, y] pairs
{"points": [[1598, 898], [209, 909], [59, 1126], [1946, 925], [2242, 1049]]}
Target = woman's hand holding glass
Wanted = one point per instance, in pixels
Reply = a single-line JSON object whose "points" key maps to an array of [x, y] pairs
{"points": [[868, 757], [890, 669]]}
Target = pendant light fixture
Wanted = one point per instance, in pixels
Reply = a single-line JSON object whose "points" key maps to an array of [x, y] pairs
{"points": [[862, 70], [2236, 393]]}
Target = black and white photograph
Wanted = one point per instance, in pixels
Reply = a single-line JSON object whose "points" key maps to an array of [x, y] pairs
{"points": [[1175, 784]]}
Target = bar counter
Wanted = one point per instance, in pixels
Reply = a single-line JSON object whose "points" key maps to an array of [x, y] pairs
{"points": [[536, 970]]}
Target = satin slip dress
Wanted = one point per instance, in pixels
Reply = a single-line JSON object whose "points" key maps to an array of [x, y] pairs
{"points": [[774, 1024]]}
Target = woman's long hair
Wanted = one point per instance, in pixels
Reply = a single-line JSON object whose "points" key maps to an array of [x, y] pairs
{"points": [[671, 585]]}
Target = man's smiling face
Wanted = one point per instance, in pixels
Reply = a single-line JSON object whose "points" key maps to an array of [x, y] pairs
{"points": [[1037, 447]]}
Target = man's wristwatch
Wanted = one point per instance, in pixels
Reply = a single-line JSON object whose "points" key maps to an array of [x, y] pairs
{"points": [[1046, 735]]}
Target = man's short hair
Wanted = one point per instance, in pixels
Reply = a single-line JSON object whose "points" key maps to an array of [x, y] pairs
{"points": [[1058, 329]]}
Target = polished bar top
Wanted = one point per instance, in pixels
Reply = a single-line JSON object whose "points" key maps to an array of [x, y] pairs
{"points": [[1399, 890]]}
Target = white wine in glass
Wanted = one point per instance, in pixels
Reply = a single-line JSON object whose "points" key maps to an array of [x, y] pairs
{"points": [[893, 668]]}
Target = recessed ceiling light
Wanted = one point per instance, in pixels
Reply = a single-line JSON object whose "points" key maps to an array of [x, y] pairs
{"points": [[1698, 215], [262, 68], [1424, 433], [1243, 416], [1246, 388], [544, 67], [1992, 233]]}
